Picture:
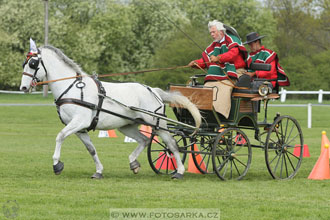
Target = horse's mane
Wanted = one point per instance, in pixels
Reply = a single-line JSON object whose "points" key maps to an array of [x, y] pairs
{"points": [[65, 59]]}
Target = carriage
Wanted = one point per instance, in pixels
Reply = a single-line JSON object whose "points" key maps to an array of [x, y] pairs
{"points": [[217, 145], [222, 145]]}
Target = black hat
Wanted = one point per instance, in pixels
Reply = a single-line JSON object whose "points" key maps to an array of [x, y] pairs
{"points": [[253, 36]]}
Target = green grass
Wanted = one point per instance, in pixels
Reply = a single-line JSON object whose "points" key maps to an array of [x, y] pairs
{"points": [[28, 134]]}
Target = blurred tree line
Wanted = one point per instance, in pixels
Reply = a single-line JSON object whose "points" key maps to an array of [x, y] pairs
{"points": [[111, 36]]}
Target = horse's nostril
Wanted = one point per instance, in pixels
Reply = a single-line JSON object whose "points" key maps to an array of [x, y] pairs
{"points": [[24, 88]]}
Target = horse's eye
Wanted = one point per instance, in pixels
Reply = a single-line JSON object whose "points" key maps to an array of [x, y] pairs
{"points": [[34, 63]]}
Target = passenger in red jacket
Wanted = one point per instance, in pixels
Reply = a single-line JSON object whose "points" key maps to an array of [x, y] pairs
{"points": [[260, 54]]}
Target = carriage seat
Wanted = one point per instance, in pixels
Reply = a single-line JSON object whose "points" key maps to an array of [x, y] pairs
{"points": [[246, 85], [256, 89]]}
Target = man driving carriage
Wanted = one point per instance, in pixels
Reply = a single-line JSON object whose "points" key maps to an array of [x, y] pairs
{"points": [[225, 60], [260, 54]]}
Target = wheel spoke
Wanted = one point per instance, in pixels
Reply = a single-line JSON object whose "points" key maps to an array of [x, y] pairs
{"points": [[236, 167], [286, 140], [290, 161], [207, 164], [158, 157], [284, 135], [202, 156], [286, 167], [158, 153], [161, 164], [277, 162], [225, 170], [286, 129], [274, 158], [223, 163], [293, 155], [163, 150], [202, 160], [240, 162], [289, 142], [229, 153], [231, 169]]}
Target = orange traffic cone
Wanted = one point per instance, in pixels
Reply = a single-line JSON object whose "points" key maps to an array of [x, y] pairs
{"points": [[147, 130], [112, 133], [191, 165], [324, 141], [321, 170], [240, 139], [296, 151], [166, 163]]}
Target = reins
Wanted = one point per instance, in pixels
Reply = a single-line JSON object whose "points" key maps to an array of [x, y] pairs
{"points": [[112, 74], [135, 72]]}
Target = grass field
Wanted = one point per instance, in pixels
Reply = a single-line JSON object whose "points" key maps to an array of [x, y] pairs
{"points": [[27, 144]]}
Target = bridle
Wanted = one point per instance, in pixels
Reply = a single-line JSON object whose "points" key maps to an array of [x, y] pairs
{"points": [[34, 64]]}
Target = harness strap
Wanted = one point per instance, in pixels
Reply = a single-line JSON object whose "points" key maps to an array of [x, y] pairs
{"points": [[101, 94], [67, 90], [95, 107], [158, 99]]}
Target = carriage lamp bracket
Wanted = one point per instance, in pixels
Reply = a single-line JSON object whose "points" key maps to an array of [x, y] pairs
{"points": [[265, 108]]}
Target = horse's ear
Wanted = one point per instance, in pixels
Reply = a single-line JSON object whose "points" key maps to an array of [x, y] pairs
{"points": [[33, 47]]}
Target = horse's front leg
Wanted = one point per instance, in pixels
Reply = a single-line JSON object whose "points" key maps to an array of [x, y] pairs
{"points": [[84, 137], [74, 126]]}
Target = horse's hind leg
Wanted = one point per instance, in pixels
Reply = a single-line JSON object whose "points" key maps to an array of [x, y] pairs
{"points": [[171, 144], [132, 131], [84, 137]]}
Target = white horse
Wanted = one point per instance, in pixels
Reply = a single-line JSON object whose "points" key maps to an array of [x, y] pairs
{"points": [[49, 63]]}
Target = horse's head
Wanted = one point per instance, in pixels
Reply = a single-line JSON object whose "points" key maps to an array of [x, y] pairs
{"points": [[33, 68]]}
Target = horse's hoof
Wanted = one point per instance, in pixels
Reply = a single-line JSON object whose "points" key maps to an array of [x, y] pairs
{"points": [[97, 176], [136, 170], [177, 176], [58, 168], [135, 166]]}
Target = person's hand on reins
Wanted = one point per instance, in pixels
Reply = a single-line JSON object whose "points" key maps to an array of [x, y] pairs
{"points": [[192, 63], [215, 59]]}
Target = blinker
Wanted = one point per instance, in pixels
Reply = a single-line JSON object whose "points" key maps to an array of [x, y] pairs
{"points": [[34, 63]]}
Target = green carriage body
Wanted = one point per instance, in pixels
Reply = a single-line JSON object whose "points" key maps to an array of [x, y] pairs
{"points": [[220, 146]]}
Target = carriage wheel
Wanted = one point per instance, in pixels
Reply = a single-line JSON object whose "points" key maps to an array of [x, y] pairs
{"points": [[283, 136], [231, 154], [160, 158], [202, 160]]}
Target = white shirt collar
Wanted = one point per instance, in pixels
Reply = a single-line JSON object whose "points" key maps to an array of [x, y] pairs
{"points": [[222, 40]]}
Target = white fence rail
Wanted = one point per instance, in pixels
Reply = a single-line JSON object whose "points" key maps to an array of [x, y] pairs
{"points": [[309, 110], [284, 92]]}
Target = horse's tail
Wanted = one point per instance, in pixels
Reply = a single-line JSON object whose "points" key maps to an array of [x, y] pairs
{"points": [[178, 99]]}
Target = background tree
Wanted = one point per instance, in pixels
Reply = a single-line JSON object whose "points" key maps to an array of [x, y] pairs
{"points": [[15, 30], [108, 36], [303, 40]]}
